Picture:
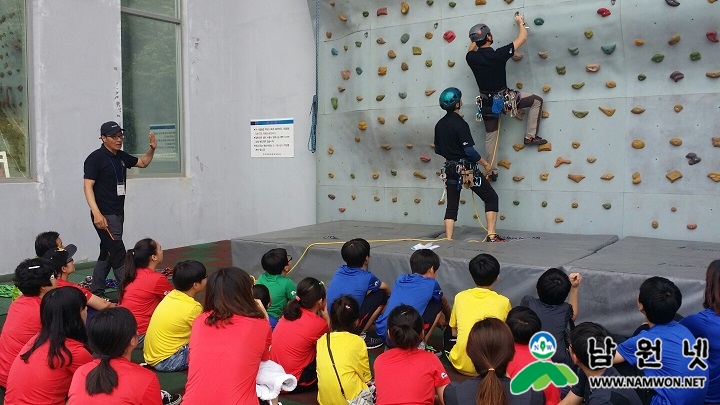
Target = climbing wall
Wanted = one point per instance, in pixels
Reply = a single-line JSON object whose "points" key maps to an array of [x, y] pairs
{"points": [[632, 98]]}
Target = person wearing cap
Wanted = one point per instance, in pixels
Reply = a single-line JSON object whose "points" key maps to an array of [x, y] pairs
{"points": [[488, 67], [454, 142], [104, 186], [63, 266]]}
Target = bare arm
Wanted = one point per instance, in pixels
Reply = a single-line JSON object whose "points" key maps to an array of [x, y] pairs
{"points": [[575, 279], [98, 303], [472, 47], [446, 308], [98, 218], [439, 391], [522, 32], [384, 286], [144, 160], [485, 164], [618, 358], [571, 399]]}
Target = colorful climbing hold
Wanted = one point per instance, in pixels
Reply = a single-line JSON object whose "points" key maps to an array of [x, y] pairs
{"points": [[674, 176], [452, 4], [636, 179], [674, 39], [430, 2], [574, 51], [560, 70], [691, 226], [331, 196], [428, 35], [543, 54], [638, 144], [608, 49], [639, 42], [574, 205], [402, 118], [642, 77], [518, 178], [429, 92], [404, 66], [516, 202], [588, 34], [366, 13], [334, 102], [380, 41], [449, 36], [416, 50], [678, 108], [480, 2], [404, 7], [402, 95], [425, 158], [673, 3], [675, 141], [334, 52], [603, 12], [381, 120], [382, 11], [517, 56], [580, 114], [559, 220], [577, 178], [560, 161], [592, 67], [544, 176], [379, 97], [539, 21], [607, 111], [544, 204], [382, 70], [578, 86], [657, 58], [607, 206], [419, 175], [405, 37], [342, 17], [428, 63], [546, 88], [591, 159], [358, 70], [358, 44], [637, 110], [451, 63], [695, 56], [362, 125], [345, 74], [607, 176], [676, 75], [610, 84], [712, 35], [575, 144], [391, 54]]}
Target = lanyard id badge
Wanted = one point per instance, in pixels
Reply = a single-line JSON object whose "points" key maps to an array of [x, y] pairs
{"points": [[121, 188]]}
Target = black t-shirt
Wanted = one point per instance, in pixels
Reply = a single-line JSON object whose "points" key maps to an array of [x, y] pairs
{"points": [[604, 396], [452, 135], [108, 170], [464, 393], [555, 320], [488, 66]]}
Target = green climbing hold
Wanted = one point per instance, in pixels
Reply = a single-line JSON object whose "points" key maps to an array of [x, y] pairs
{"points": [[642, 77], [608, 49], [539, 21], [379, 97], [516, 202], [345, 48], [404, 38], [358, 44], [657, 58], [560, 70], [417, 50], [366, 13], [402, 95], [695, 56], [428, 63], [574, 51], [358, 71], [580, 114], [334, 102], [607, 206], [452, 4], [544, 204], [578, 86], [429, 2], [352, 176], [451, 63]]}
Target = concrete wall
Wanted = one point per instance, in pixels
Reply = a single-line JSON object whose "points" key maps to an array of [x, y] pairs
{"points": [[238, 65], [361, 180]]}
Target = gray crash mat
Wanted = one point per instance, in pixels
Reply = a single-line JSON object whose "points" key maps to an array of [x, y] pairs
{"points": [[612, 278]]}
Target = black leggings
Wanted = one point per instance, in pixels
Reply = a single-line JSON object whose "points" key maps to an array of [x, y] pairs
{"points": [[484, 191]]}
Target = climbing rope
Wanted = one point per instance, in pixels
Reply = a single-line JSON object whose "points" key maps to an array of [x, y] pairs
{"points": [[312, 141]]}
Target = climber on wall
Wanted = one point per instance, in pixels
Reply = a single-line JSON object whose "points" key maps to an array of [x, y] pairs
{"points": [[454, 142], [488, 67]]}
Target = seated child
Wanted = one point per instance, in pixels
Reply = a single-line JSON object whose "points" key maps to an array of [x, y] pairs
{"points": [[490, 347], [581, 391], [297, 332], [54, 354], [658, 351], [419, 290], [524, 323], [276, 264], [345, 375], [262, 293], [706, 324], [64, 266], [142, 288], [34, 278], [49, 240], [168, 334], [556, 315], [475, 304], [354, 279], [407, 374]]}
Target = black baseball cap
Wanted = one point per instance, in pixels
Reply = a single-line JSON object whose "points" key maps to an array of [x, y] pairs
{"points": [[60, 257], [110, 128]]}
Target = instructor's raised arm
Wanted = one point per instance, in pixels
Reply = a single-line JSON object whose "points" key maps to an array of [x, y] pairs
{"points": [[145, 159]]}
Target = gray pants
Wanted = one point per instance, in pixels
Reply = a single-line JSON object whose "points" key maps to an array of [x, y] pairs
{"points": [[492, 125], [112, 254]]}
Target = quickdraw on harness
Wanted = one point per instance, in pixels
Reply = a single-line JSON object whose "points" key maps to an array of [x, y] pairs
{"points": [[468, 174], [500, 102]]}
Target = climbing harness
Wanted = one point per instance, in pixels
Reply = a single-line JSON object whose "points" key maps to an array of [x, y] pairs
{"points": [[501, 102]]}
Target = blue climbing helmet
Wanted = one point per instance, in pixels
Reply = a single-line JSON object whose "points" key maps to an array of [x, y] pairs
{"points": [[479, 32], [449, 97]]}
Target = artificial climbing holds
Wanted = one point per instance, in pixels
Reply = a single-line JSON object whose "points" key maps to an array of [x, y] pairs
{"points": [[366, 13], [376, 198], [543, 54], [382, 11], [386, 146], [405, 37], [638, 144], [657, 58], [519, 85], [588, 34], [577, 178], [676, 75], [591, 159], [449, 36], [560, 161], [331, 151], [580, 114], [695, 56], [712, 35], [334, 52], [504, 163], [341, 209], [358, 44], [691, 226], [425, 158], [404, 7], [642, 77], [416, 50], [358, 70], [637, 110], [402, 95], [404, 66], [607, 176], [607, 111], [331, 196], [636, 179], [545, 114], [518, 147], [713, 75], [714, 176], [560, 70], [380, 41], [376, 175], [381, 120], [379, 97], [480, 2], [574, 205], [452, 4], [382, 70], [342, 17], [393, 172], [716, 141], [678, 108], [419, 175], [345, 74], [674, 176], [429, 92], [518, 178], [334, 102], [674, 39], [578, 86], [331, 175], [608, 49], [516, 202], [362, 125], [575, 144], [517, 56], [592, 67], [546, 88], [539, 21], [559, 220], [391, 54], [545, 147], [543, 204], [607, 206], [673, 3], [603, 12], [451, 63], [357, 138], [402, 118], [676, 142], [544, 176], [610, 84], [428, 35], [574, 51], [341, 89], [417, 200], [639, 42], [428, 63]]}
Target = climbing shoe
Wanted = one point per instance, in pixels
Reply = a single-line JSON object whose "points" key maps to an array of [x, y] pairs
{"points": [[535, 141]]}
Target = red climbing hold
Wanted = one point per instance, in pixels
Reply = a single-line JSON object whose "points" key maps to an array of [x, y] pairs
{"points": [[712, 35], [449, 36], [382, 11], [603, 12]]}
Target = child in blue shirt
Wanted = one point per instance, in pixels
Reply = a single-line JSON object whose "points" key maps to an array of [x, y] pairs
{"points": [[419, 290], [355, 280], [659, 300]]}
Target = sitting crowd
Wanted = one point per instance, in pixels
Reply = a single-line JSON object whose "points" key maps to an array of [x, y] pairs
{"points": [[252, 339]]}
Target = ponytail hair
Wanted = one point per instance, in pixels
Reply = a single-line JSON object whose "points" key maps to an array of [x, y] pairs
{"points": [[137, 257], [110, 333], [309, 291], [61, 319], [405, 327], [344, 314], [490, 346]]}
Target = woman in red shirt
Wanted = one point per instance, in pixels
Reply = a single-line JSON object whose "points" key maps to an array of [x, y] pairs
{"points": [[305, 319], [142, 288], [54, 354], [227, 342], [112, 378]]}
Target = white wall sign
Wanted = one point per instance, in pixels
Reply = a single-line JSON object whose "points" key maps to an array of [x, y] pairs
{"points": [[272, 138], [167, 142]]}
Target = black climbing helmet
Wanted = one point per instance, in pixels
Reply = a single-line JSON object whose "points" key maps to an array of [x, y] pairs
{"points": [[449, 97], [479, 32]]}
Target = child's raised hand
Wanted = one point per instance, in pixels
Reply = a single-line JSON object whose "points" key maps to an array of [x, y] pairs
{"points": [[575, 279]]}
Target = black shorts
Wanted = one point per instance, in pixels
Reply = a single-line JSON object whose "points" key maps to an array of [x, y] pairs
{"points": [[372, 302]]}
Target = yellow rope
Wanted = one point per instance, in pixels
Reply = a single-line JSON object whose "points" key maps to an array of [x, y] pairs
{"points": [[369, 241]]}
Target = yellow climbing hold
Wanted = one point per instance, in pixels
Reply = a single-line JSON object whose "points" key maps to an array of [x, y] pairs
{"points": [[637, 110], [638, 144], [607, 111], [504, 163], [674, 176], [362, 125]]}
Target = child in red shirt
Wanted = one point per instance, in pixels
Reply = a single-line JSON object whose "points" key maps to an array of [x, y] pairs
{"points": [[34, 278], [423, 375], [112, 377], [227, 342], [297, 332], [142, 288], [53, 356]]}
